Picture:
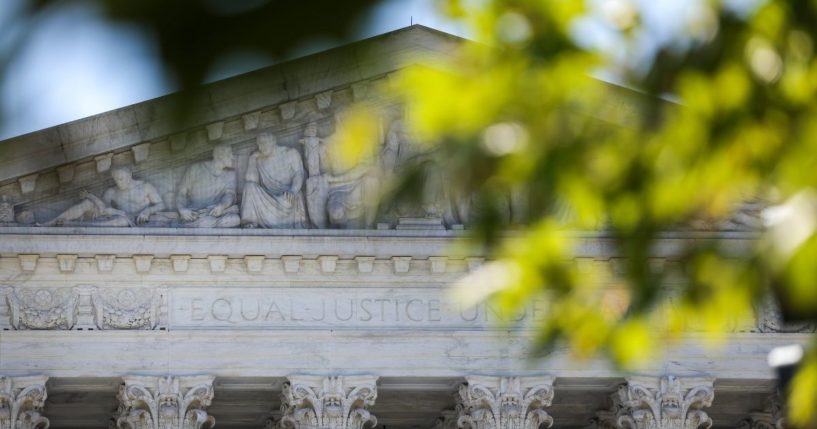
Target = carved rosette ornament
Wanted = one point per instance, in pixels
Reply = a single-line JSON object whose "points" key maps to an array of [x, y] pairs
{"points": [[505, 403], [164, 403], [669, 405], [310, 402], [21, 402]]}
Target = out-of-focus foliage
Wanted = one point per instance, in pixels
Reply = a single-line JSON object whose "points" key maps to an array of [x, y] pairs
{"points": [[722, 114]]}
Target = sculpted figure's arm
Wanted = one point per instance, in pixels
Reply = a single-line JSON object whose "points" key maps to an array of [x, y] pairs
{"points": [[156, 204], [100, 205], [182, 198], [252, 168], [104, 205]]}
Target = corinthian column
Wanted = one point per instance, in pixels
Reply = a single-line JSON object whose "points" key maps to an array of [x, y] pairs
{"points": [[310, 402], [21, 402], [505, 403], [665, 403], [165, 403]]}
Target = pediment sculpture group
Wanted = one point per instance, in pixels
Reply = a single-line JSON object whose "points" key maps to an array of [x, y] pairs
{"points": [[281, 190]]}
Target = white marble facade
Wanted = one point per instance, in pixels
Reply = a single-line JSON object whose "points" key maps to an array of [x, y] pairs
{"points": [[223, 273]]}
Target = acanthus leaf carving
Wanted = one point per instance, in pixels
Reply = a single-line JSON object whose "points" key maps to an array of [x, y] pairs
{"points": [[164, 403], [447, 420], [328, 402], [669, 405], [505, 403], [772, 417], [21, 402]]}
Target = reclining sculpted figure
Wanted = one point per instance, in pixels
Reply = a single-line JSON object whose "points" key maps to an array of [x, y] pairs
{"points": [[129, 203]]}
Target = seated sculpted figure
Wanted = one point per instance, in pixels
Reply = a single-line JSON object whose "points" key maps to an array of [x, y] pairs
{"points": [[206, 197], [272, 191], [338, 196], [128, 203]]}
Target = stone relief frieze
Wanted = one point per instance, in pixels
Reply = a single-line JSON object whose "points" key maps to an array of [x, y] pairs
{"points": [[83, 307], [129, 203], [288, 181], [285, 180]]}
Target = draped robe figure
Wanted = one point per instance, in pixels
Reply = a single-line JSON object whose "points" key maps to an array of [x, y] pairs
{"points": [[272, 191]]}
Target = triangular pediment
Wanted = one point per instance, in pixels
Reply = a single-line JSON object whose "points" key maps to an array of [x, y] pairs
{"points": [[45, 172]]}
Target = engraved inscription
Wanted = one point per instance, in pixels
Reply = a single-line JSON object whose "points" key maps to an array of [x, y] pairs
{"points": [[392, 308]]}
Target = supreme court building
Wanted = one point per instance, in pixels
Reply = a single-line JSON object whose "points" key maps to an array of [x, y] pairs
{"points": [[164, 273]]}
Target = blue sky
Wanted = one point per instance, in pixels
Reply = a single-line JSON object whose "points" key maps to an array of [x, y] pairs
{"points": [[77, 65]]}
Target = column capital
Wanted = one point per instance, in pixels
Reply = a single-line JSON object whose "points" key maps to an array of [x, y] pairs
{"points": [[340, 402], [160, 402], [770, 418], [662, 403], [505, 402], [25, 398]]}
